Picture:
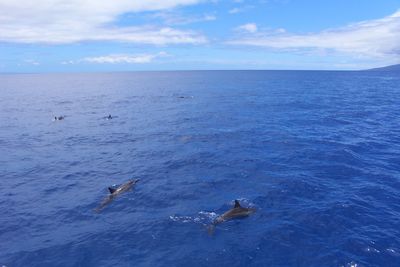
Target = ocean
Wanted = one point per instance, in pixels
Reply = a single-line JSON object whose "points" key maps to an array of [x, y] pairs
{"points": [[316, 153]]}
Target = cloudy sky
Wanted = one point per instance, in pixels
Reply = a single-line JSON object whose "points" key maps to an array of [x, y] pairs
{"points": [[123, 35]]}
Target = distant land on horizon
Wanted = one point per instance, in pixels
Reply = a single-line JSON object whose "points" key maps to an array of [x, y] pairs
{"points": [[387, 68]]}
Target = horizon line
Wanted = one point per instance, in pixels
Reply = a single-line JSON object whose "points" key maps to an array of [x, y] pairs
{"points": [[178, 70]]}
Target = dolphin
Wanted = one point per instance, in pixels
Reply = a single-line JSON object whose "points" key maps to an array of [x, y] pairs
{"points": [[234, 213], [114, 192], [59, 118], [109, 117]]}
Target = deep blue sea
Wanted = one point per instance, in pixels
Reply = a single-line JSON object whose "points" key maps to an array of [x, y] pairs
{"points": [[316, 153]]}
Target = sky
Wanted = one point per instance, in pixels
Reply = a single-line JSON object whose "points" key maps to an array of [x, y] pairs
{"points": [[130, 35]]}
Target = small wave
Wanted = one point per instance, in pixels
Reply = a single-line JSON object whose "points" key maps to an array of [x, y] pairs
{"points": [[209, 215], [183, 219], [203, 217], [393, 252], [64, 102], [388, 78], [352, 264], [372, 250]]}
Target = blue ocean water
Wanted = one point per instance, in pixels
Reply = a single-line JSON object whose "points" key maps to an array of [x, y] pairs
{"points": [[316, 153]]}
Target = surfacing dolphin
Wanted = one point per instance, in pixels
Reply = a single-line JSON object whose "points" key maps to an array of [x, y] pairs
{"points": [[114, 192], [236, 212], [59, 118], [109, 117]]}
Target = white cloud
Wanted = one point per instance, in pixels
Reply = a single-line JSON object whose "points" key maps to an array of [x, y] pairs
{"points": [[235, 10], [121, 58], [68, 62], [31, 62], [249, 27], [374, 38], [174, 18], [66, 21]]}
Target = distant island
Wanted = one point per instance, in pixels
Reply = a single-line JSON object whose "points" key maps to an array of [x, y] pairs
{"points": [[387, 68]]}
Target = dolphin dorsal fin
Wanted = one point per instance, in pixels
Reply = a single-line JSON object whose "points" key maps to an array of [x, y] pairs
{"points": [[237, 204], [112, 190]]}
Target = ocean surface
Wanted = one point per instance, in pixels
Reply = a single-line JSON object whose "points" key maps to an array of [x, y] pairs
{"points": [[316, 153]]}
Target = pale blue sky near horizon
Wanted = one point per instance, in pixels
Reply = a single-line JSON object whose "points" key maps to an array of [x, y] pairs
{"points": [[125, 35]]}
